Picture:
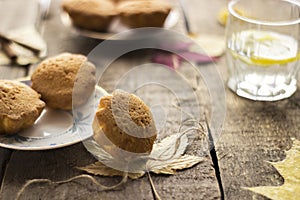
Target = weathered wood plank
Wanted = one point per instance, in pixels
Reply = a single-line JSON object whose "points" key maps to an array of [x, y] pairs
{"points": [[203, 16], [198, 182], [253, 133], [59, 165], [4, 159]]}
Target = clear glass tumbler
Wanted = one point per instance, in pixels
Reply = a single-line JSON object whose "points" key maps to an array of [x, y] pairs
{"points": [[263, 48]]}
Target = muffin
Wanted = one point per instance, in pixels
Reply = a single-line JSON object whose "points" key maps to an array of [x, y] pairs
{"points": [[20, 106], [124, 123], [90, 14], [55, 78], [144, 13]]}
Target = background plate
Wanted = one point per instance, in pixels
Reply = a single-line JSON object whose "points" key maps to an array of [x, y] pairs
{"points": [[116, 26]]}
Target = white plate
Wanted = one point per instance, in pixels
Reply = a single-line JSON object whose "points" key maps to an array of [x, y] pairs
{"points": [[116, 26], [53, 129]]}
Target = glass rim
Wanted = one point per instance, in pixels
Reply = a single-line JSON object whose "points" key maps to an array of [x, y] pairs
{"points": [[263, 22]]}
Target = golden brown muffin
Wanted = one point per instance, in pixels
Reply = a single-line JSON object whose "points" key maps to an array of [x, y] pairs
{"points": [[123, 121], [90, 14], [144, 13], [55, 78], [20, 106], [118, 1]]}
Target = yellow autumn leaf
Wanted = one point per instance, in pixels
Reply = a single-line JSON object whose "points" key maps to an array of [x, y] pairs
{"points": [[222, 16], [289, 168]]}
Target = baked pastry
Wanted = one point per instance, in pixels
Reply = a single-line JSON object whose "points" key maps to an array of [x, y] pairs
{"points": [[56, 77], [20, 106], [90, 14], [144, 13], [124, 123]]}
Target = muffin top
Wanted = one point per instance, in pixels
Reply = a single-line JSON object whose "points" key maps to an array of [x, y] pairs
{"points": [[126, 121], [58, 73], [56, 77], [93, 7], [143, 6], [17, 99]]}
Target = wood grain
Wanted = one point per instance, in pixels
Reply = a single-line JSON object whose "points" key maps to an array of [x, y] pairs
{"points": [[196, 183], [253, 133], [59, 165]]}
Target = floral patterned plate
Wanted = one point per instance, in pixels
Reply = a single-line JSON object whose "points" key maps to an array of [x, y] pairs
{"points": [[54, 128]]}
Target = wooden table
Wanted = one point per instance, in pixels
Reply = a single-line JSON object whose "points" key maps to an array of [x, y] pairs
{"points": [[252, 133]]}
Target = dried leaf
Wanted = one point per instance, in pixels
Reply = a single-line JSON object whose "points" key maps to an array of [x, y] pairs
{"points": [[165, 158], [214, 45], [167, 59], [100, 169], [97, 151], [170, 147], [170, 166], [168, 155], [290, 170], [138, 166]]}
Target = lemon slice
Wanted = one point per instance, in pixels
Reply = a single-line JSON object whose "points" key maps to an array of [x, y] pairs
{"points": [[269, 62], [264, 48], [265, 62]]}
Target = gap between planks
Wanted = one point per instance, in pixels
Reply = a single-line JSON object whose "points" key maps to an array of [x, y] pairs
{"points": [[5, 158], [214, 158]]}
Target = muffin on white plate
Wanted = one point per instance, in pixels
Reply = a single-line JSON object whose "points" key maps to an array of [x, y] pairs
{"points": [[91, 14], [144, 13], [56, 77], [20, 106]]}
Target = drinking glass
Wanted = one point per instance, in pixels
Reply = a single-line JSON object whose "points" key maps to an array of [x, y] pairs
{"points": [[262, 38]]}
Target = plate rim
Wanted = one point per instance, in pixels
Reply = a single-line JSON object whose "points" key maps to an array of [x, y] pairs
{"points": [[12, 147]]}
